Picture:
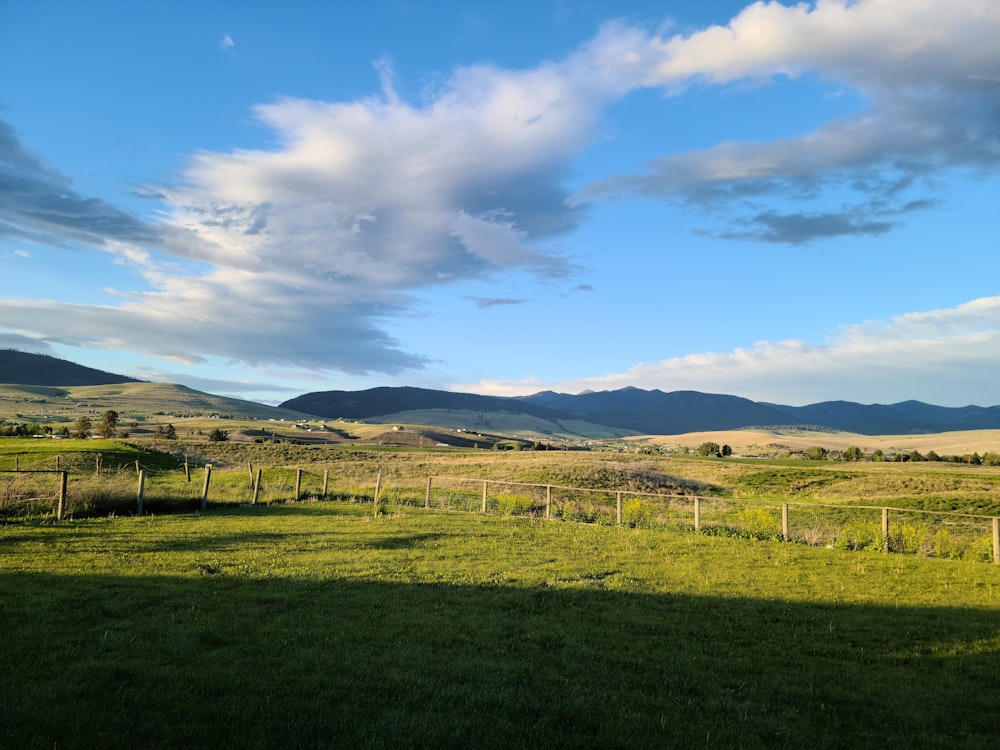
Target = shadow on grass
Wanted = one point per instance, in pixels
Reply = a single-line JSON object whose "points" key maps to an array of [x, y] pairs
{"points": [[105, 661]]}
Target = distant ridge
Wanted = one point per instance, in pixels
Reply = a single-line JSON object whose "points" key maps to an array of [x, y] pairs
{"points": [[24, 368], [380, 401], [657, 412]]}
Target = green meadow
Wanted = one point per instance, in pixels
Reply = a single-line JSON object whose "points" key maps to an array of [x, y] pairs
{"points": [[322, 624]]}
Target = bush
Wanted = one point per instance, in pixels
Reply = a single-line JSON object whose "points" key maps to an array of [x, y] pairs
{"points": [[859, 534], [909, 538], [638, 514], [511, 504]]}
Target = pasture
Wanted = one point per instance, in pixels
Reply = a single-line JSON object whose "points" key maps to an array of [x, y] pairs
{"points": [[321, 624]]}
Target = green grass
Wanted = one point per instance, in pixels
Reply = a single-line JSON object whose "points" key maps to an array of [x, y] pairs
{"points": [[318, 625]]}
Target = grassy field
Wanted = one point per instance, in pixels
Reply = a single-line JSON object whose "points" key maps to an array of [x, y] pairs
{"points": [[317, 625], [831, 503], [774, 443]]}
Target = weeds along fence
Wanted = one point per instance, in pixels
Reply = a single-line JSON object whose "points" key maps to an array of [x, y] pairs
{"points": [[86, 487]]}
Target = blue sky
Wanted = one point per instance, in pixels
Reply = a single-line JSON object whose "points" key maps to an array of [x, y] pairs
{"points": [[791, 203]]}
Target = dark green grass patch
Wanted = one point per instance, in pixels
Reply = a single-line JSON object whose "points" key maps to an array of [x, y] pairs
{"points": [[317, 625]]}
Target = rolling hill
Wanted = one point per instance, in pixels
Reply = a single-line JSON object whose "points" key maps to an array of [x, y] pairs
{"points": [[24, 368]]}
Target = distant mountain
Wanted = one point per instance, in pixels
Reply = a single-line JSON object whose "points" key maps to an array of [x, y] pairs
{"points": [[658, 412], [24, 368], [376, 402]]}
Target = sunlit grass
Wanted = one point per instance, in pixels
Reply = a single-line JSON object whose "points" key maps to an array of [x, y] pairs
{"points": [[319, 624]]}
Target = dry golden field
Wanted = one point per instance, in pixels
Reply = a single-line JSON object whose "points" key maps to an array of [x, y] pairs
{"points": [[768, 443]]}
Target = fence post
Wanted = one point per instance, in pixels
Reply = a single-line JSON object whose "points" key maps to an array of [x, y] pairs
{"points": [[378, 490], [885, 529], [484, 495], [187, 469], [548, 501], [204, 489], [61, 506], [58, 461], [97, 465], [326, 482], [256, 487], [298, 484], [138, 469], [619, 504], [784, 521], [697, 513], [141, 494], [250, 469], [996, 541], [427, 495]]}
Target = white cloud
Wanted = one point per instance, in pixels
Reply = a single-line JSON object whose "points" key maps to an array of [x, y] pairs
{"points": [[300, 253], [226, 42], [946, 357], [925, 67]]}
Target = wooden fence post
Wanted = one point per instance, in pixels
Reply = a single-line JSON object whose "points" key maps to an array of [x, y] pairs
{"points": [[204, 489], [484, 495], [378, 489], [141, 494], [256, 487], [97, 465], [548, 501], [138, 470], [58, 461], [250, 470], [298, 484], [885, 529], [187, 469], [61, 506], [697, 513], [326, 482], [427, 495], [784, 521], [996, 541], [619, 504]]}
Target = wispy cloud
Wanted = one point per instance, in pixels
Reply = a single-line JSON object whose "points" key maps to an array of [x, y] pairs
{"points": [[485, 302], [39, 203], [226, 42], [924, 67], [24, 344]]}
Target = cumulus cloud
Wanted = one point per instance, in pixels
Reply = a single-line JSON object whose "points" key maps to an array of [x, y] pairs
{"points": [[948, 357], [300, 253], [926, 69]]}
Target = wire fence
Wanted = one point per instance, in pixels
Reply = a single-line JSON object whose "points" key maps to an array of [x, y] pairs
{"points": [[86, 486]]}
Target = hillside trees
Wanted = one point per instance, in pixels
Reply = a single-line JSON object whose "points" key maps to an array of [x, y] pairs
{"points": [[83, 427], [709, 449], [109, 421]]}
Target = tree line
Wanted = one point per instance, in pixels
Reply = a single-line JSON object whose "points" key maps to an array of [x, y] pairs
{"points": [[854, 453]]}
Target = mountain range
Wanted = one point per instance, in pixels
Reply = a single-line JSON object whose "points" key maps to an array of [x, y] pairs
{"points": [[654, 412], [588, 414]]}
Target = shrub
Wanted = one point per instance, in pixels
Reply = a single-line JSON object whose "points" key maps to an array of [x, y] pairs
{"points": [[638, 514], [511, 504], [946, 546], [909, 538], [859, 534]]}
